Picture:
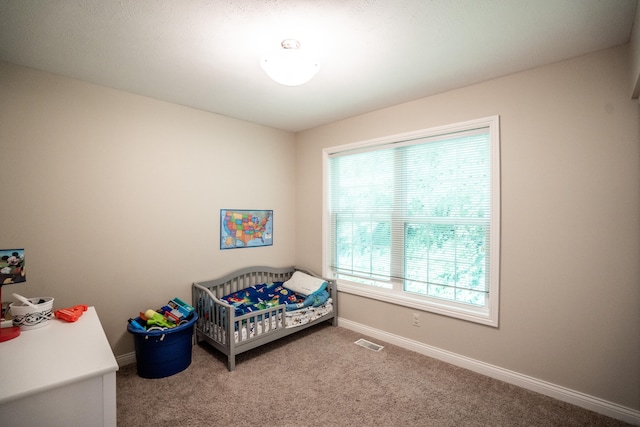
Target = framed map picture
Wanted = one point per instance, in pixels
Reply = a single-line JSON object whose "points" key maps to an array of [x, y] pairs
{"points": [[245, 228]]}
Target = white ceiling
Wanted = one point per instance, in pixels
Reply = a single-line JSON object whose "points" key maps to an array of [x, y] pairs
{"points": [[373, 54]]}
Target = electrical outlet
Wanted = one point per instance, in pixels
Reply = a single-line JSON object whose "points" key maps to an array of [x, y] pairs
{"points": [[416, 319]]}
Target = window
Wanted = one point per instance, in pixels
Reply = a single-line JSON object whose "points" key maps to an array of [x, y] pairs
{"points": [[413, 219]]}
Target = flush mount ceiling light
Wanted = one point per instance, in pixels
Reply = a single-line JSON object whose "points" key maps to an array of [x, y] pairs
{"points": [[290, 66]]}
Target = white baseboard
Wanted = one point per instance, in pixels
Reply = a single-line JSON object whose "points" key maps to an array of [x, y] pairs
{"points": [[564, 394], [126, 359]]}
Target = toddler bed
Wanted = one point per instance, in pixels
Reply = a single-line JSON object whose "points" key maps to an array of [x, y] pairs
{"points": [[256, 305]]}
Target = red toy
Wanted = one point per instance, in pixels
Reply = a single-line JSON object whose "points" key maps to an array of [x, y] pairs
{"points": [[71, 314]]}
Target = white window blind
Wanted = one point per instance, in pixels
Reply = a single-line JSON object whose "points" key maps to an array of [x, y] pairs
{"points": [[414, 215]]}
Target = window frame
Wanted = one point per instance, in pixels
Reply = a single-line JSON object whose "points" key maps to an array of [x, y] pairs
{"points": [[487, 315]]}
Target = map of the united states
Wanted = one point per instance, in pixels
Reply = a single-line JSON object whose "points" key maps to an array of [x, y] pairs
{"points": [[246, 228]]}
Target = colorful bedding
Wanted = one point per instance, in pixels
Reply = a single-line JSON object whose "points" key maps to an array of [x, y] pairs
{"points": [[267, 295]]}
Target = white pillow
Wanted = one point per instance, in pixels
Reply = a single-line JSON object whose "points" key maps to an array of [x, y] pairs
{"points": [[303, 283]]}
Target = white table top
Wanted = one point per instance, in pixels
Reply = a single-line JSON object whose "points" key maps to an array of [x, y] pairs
{"points": [[53, 356]]}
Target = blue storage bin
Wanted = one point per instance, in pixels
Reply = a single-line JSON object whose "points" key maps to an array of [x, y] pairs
{"points": [[161, 354]]}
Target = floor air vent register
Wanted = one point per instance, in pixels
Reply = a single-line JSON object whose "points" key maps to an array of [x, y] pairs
{"points": [[369, 345]]}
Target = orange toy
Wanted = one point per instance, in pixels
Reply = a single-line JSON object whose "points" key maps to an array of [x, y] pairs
{"points": [[71, 314]]}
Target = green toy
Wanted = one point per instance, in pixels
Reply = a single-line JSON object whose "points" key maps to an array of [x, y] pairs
{"points": [[156, 319]]}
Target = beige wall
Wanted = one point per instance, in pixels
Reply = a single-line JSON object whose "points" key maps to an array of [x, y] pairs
{"points": [[570, 270], [116, 198], [635, 56]]}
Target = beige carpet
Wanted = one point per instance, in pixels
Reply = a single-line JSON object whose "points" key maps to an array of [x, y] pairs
{"points": [[319, 377]]}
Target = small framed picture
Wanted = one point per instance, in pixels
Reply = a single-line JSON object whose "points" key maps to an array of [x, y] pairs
{"points": [[12, 269]]}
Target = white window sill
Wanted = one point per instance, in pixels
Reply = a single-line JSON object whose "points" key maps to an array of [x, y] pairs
{"points": [[483, 315]]}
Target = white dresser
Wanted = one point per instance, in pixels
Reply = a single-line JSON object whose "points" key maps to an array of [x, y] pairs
{"points": [[63, 374]]}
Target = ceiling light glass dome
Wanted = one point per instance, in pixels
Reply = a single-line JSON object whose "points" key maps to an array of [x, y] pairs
{"points": [[289, 65]]}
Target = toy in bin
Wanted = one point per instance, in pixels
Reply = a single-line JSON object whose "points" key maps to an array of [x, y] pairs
{"points": [[177, 309], [156, 319], [169, 316]]}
